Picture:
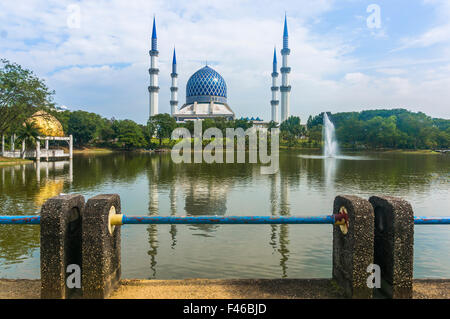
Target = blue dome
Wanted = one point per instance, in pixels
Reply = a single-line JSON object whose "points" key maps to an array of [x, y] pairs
{"points": [[206, 85]]}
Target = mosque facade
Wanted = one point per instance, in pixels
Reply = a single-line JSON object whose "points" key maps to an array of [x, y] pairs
{"points": [[206, 89]]}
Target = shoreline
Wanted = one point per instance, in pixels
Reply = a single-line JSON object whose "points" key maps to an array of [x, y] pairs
{"points": [[96, 150], [224, 289], [8, 161]]}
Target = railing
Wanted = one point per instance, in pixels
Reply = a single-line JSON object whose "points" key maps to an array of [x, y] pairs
{"points": [[370, 233], [224, 220]]}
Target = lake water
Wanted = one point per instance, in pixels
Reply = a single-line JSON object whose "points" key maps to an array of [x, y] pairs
{"points": [[151, 184]]}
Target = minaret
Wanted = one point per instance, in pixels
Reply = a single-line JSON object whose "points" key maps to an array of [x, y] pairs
{"points": [[153, 89], [285, 88], [174, 88], [274, 88]]}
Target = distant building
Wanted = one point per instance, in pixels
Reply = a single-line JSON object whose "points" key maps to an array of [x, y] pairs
{"points": [[206, 89]]}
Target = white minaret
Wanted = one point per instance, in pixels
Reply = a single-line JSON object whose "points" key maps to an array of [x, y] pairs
{"points": [[274, 88], [285, 88], [153, 89], [174, 88]]}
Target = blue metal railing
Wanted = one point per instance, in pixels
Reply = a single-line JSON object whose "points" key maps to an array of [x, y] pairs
{"points": [[20, 220], [228, 220], [234, 220]]}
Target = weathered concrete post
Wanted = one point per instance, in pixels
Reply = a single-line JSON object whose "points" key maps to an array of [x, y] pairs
{"points": [[394, 245], [60, 244], [23, 149], [353, 246], [46, 148], [38, 149], [101, 247], [70, 146]]}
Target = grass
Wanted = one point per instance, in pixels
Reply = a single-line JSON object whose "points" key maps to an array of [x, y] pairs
{"points": [[13, 161], [92, 150]]}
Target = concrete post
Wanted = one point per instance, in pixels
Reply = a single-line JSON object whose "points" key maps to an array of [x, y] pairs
{"points": [[353, 246], [23, 149], [46, 149], [71, 146], [38, 149], [101, 247], [60, 245], [13, 138], [394, 245]]}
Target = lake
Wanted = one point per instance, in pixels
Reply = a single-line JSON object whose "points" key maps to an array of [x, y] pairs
{"points": [[151, 184]]}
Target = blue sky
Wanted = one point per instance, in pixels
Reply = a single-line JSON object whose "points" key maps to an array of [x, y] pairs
{"points": [[338, 62]]}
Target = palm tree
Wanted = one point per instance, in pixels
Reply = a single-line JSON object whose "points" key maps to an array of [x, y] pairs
{"points": [[28, 133]]}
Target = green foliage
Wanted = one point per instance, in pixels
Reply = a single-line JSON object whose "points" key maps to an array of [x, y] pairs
{"points": [[82, 126], [129, 134], [396, 128], [220, 123], [161, 126], [291, 130], [28, 133], [21, 94]]}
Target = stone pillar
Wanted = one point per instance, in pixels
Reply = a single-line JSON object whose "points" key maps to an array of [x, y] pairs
{"points": [[71, 146], [394, 245], [60, 244], [46, 149], [23, 149], [353, 246], [101, 247], [38, 149]]}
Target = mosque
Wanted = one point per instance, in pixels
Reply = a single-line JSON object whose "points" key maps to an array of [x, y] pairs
{"points": [[206, 89]]}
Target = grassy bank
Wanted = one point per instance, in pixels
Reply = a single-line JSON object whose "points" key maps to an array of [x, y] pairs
{"points": [[93, 150], [13, 161]]}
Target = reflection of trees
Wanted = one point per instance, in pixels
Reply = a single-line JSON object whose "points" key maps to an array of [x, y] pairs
{"points": [[377, 172], [22, 194]]}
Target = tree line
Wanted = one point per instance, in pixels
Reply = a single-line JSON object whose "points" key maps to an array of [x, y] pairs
{"points": [[22, 94], [394, 128]]}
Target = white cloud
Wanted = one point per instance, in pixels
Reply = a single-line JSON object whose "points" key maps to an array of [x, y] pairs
{"points": [[103, 66]]}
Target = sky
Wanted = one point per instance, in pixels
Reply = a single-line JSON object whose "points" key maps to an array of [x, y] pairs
{"points": [[346, 55]]}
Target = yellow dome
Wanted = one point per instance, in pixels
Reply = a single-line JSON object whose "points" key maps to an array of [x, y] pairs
{"points": [[47, 124]]}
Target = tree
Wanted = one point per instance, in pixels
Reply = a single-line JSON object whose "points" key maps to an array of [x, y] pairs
{"points": [[291, 129], [21, 95], [82, 127], [242, 123], [28, 133], [161, 126], [129, 134]]}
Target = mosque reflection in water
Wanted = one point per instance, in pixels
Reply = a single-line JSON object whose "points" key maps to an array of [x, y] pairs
{"points": [[206, 195], [151, 184]]}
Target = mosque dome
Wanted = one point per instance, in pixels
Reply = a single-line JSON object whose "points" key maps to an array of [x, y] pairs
{"points": [[206, 85], [46, 124]]}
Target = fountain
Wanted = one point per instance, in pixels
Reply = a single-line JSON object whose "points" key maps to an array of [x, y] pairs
{"points": [[329, 138], [330, 153]]}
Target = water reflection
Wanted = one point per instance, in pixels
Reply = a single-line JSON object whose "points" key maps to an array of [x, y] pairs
{"points": [[304, 185], [22, 192]]}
